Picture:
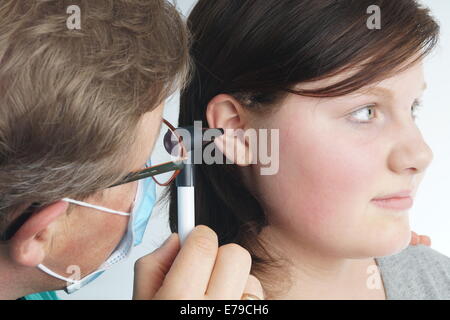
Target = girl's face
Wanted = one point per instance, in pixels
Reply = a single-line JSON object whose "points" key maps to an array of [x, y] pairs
{"points": [[336, 155]]}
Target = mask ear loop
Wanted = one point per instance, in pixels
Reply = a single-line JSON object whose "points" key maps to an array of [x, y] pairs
{"points": [[93, 206], [54, 274], [84, 204]]}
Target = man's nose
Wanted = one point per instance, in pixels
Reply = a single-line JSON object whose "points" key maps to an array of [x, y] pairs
{"points": [[410, 153]]}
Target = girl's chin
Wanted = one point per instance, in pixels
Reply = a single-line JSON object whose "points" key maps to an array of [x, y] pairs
{"points": [[394, 246]]}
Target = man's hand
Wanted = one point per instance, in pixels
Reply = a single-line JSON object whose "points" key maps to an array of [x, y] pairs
{"points": [[419, 239], [199, 270]]}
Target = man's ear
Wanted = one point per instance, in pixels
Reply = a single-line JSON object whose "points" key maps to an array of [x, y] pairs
{"points": [[224, 111], [28, 245]]}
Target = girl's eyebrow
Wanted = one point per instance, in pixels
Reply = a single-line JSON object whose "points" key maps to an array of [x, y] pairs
{"points": [[384, 92]]}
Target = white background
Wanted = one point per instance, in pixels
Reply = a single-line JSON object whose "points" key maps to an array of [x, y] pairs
{"points": [[430, 214]]}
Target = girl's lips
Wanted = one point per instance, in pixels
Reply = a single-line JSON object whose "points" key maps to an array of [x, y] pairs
{"points": [[398, 203], [401, 194]]}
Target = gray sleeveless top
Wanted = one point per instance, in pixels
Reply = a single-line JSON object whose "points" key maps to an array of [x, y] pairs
{"points": [[416, 273]]}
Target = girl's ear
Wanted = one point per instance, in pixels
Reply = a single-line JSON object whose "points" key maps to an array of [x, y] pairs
{"points": [[224, 111], [29, 243]]}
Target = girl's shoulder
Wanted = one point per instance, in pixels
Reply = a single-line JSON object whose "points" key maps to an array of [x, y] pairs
{"points": [[417, 272]]}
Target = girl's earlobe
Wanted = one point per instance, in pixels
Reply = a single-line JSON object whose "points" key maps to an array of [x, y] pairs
{"points": [[233, 146]]}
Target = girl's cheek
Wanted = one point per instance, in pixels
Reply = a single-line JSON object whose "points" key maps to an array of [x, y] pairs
{"points": [[324, 179]]}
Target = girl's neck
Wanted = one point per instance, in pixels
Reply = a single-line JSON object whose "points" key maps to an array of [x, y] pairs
{"points": [[308, 273]]}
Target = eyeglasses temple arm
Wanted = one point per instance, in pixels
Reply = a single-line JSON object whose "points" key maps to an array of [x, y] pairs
{"points": [[150, 172]]}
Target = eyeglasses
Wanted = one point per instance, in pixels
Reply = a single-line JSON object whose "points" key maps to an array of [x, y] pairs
{"points": [[169, 145], [169, 153]]}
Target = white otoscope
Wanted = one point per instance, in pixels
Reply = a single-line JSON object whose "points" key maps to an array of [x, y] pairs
{"points": [[185, 180], [186, 199]]}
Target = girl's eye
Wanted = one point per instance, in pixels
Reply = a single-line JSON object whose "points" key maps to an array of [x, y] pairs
{"points": [[364, 115]]}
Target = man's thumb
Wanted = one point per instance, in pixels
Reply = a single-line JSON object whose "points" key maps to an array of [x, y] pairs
{"points": [[150, 270]]}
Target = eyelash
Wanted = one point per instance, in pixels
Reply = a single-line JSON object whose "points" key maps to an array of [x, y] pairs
{"points": [[417, 105]]}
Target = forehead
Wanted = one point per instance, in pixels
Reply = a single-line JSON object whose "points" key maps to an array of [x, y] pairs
{"points": [[406, 82], [410, 70]]}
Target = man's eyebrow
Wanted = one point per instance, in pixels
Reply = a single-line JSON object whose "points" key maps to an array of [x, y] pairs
{"points": [[384, 92]]}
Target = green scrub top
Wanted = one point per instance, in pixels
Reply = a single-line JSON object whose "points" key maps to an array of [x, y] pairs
{"points": [[49, 295]]}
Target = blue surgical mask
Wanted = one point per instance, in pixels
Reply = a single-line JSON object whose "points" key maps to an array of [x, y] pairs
{"points": [[139, 216]]}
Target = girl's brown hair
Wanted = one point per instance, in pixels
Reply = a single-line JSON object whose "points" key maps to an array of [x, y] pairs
{"points": [[71, 100], [256, 49]]}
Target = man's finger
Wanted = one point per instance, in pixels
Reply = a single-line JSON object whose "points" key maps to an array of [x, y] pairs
{"points": [[426, 240], [190, 272], [230, 273], [414, 238], [150, 270], [254, 288]]}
